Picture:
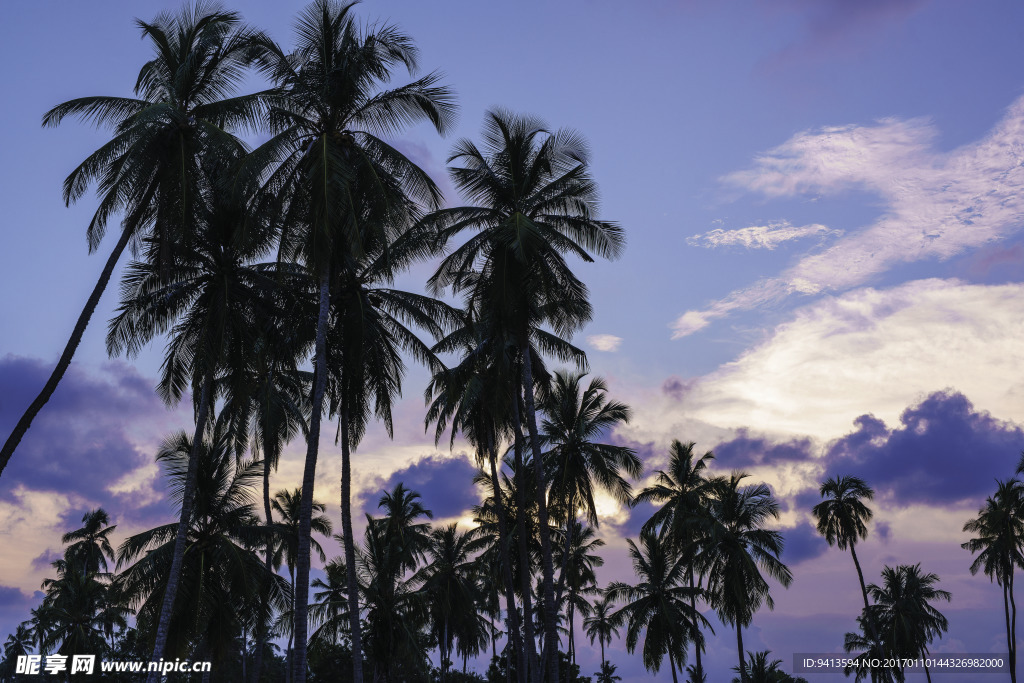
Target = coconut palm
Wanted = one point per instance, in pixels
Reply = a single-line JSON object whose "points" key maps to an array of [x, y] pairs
{"points": [[533, 203], [330, 605], [738, 549], [153, 171], [659, 605], [607, 674], [601, 625], [579, 579], [337, 180], [842, 518], [18, 644], [759, 669], [903, 609], [223, 532], [684, 492], [90, 546], [999, 533]]}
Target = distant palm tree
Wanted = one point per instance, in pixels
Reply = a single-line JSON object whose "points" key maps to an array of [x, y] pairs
{"points": [[338, 179], [903, 608], [152, 171], [534, 203], [842, 519], [738, 549], [90, 546], [330, 605], [868, 650], [758, 669], [999, 535], [579, 560], [18, 644], [659, 604], [601, 625], [684, 491], [607, 673]]}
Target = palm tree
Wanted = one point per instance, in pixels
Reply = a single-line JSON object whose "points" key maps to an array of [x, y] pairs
{"points": [[223, 533], [842, 519], [330, 606], [607, 673], [73, 609], [574, 419], [153, 169], [337, 180], [738, 549], [685, 492], [758, 669], [534, 203], [579, 579], [908, 620], [659, 604], [18, 644], [601, 625], [999, 533], [90, 546]]}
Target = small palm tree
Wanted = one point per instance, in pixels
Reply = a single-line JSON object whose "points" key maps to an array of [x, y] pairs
{"points": [[659, 605], [759, 669], [90, 546], [903, 608], [738, 549], [842, 518], [999, 534], [607, 673], [601, 625]]}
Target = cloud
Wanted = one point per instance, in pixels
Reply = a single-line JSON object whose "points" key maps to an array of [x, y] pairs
{"points": [[866, 351], [605, 342], [759, 236], [445, 484], [936, 204], [944, 452], [802, 542], [747, 451]]}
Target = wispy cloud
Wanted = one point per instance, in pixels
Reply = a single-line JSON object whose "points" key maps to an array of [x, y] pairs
{"points": [[759, 236], [605, 342], [937, 205]]}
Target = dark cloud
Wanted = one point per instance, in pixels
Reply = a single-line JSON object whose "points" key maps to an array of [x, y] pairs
{"points": [[638, 516], [445, 484], [13, 597], [676, 387], [943, 452], [43, 561], [79, 442], [748, 451], [884, 531], [802, 542]]}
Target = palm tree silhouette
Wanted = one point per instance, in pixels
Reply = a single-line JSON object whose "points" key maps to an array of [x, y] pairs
{"points": [[90, 546], [152, 171], [738, 549], [601, 625], [999, 533], [659, 604]]}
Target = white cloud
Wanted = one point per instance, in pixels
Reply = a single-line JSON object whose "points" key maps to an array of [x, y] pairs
{"points": [[937, 205], [759, 236], [865, 351], [605, 342]]}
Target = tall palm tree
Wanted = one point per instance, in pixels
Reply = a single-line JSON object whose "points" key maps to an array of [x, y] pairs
{"points": [[659, 604], [903, 608], [738, 549], [330, 606], [685, 492], [575, 418], [999, 533], [842, 518], [533, 203], [337, 180], [153, 171], [579, 579], [601, 625], [90, 546]]}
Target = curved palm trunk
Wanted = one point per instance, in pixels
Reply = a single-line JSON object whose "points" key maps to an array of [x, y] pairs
{"points": [[739, 646], [672, 665], [697, 647], [506, 566], [350, 549], [1013, 630], [301, 587], [524, 556], [69, 351], [864, 592], [167, 607], [1009, 642], [547, 564]]}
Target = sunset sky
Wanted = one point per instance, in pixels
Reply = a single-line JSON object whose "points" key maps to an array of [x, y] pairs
{"points": [[824, 209]]}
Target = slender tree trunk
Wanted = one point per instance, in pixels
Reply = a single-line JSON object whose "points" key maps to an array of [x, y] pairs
{"points": [[187, 501], [1013, 629], [69, 351], [739, 646], [601, 640], [697, 647], [506, 568], [355, 631], [261, 628], [531, 669], [559, 591], [1009, 645], [301, 587], [868, 618], [672, 665], [547, 565]]}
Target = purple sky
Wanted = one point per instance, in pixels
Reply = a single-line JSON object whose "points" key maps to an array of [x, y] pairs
{"points": [[824, 204]]}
